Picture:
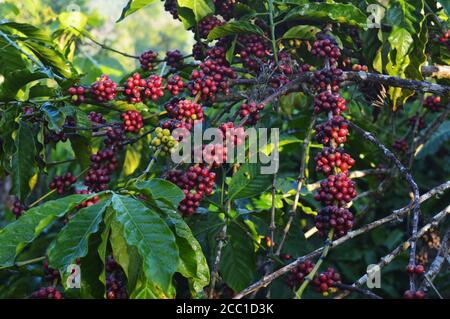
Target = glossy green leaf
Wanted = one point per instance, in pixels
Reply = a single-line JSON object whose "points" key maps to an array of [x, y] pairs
{"points": [[232, 28], [248, 182], [15, 236], [200, 8], [72, 241], [145, 230], [307, 32], [133, 6], [23, 165]]}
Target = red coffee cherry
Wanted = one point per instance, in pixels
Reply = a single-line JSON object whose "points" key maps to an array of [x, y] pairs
{"points": [[134, 87], [250, 112], [235, 135], [104, 89], [330, 159], [147, 59], [298, 274], [175, 84], [154, 89], [63, 184], [185, 110], [132, 121], [325, 282], [47, 293], [326, 47], [334, 130], [336, 190], [329, 102], [77, 94], [255, 53], [434, 104]]}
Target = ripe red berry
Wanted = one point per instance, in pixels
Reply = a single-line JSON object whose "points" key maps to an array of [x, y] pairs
{"points": [[154, 89], [63, 184], [330, 159], [334, 130], [132, 121], [419, 270], [250, 112], [329, 102], [434, 104], [336, 190], [298, 274], [185, 110], [326, 47], [175, 84], [104, 89]]}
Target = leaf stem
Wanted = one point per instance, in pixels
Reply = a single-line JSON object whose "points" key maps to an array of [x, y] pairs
{"points": [[272, 32]]}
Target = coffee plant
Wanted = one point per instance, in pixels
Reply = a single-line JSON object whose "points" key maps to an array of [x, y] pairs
{"points": [[94, 205]]}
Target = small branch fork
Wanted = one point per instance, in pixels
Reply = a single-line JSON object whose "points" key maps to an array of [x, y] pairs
{"points": [[415, 189], [436, 220], [396, 215]]}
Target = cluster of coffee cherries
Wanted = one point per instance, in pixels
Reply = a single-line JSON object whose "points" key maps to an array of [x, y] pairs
{"points": [[332, 131], [54, 137], [207, 24], [147, 59], [199, 51], [87, 203], [338, 218], [137, 89], [103, 163], [330, 159], [175, 84], [47, 293], [225, 8], [164, 141], [104, 89], [51, 274], [18, 208], [171, 7], [64, 183], [232, 134], [174, 59], [186, 111], [401, 145], [249, 112], [96, 117], [433, 104], [132, 121], [326, 47], [417, 120], [255, 51], [337, 190], [325, 282], [444, 39], [196, 182], [327, 101], [77, 94], [298, 274], [115, 280], [213, 74]]}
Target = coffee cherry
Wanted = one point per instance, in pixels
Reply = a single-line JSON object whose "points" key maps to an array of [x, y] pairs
{"points": [[330, 159], [103, 163], [132, 121], [412, 122], [325, 282], [409, 294], [104, 89], [329, 102], [434, 104], [174, 59], [54, 137], [358, 67], [154, 89], [401, 146], [340, 219], [419, 270], [115, 280], [225, 8], [250, 112], [298, 274], [175, 84], [328, 79], [215, 154], [47, 293], [171, 7], [77, 94], [232, 134], [326, 47], [207, 24], [18, 208], [332, 131], [410, 269], [172, 125], [147, 59], [185, 110], [199, 51], [115, 136], [87, 203], [336, 190], [133, 88], [444, 39], [164, 141], [63, 184], [96, 118], [255, 53], [51, 274]]}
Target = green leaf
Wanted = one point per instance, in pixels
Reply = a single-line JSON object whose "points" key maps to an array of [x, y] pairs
{"points": [[162, 190], [146, 289], [145, 230], [103, 246], [193, 264], [29, 30], [72, 241], [91, 267], [232, 28], [306, 32], [133, 6], [132, 159], [432, 145], [238, 262], [125, 255], [15, 236], [55, 118], [51, 57], [23, 162], [16, 80], [248, 182], [328, 12], [200, 8]]}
